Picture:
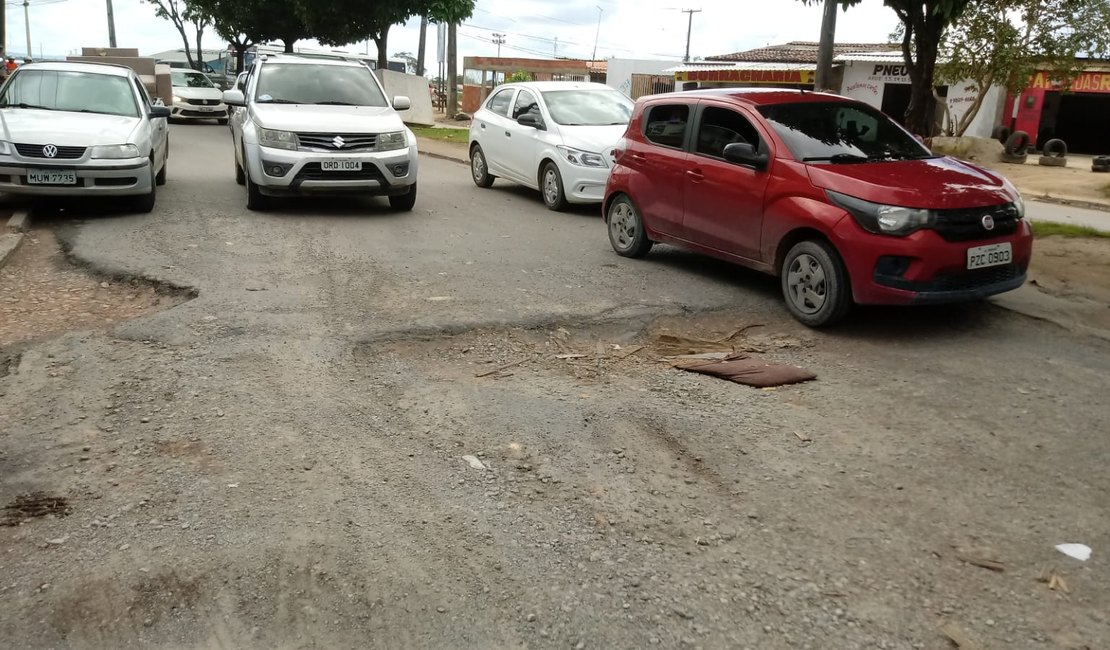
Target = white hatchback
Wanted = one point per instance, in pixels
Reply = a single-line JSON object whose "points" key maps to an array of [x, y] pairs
{"points": [[554, 136]]}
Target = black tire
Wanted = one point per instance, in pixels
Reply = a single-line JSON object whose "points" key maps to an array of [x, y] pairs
{"points": [[240, 177], [1055, 148], [1018, 143], [256, 200], [816, 267], [1001, 133], [627, 234], [163, 173], [1102, 169], [479, 169], [404, 202], [1102, 160], [1052, 161], [144, 203], [1014, 158], [553, 196]]}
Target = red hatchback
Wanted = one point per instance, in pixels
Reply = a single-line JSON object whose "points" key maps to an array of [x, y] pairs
{"points": [[825, 192]]}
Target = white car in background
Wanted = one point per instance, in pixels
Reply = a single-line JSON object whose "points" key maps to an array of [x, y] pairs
{"points": [[195, 97], [553, 136], [81, 129]]}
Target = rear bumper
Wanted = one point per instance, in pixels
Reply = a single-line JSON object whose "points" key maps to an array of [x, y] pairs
{"points": [[125, 179], [930, 270]]}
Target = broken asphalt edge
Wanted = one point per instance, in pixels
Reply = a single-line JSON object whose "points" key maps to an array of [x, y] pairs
{"points": [[67, 241], [9, 244]]}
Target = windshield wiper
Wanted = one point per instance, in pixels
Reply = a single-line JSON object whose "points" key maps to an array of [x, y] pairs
{"points": [[838, 159], [278, 101], [23, 105], [335, 104]]}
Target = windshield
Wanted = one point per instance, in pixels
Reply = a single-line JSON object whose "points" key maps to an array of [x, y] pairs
{"points": [[318, 84], [71, 91], [840, 132], [588, 107], [190, 80]]}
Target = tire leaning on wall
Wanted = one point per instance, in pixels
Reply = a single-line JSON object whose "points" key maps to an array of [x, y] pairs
{"points": [[1016, 147], [1101, 164]]}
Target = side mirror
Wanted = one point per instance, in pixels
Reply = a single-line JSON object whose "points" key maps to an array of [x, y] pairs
{"points": [[401, 103], [532, 120], [743, 153], [234, 98], [159, 111]]}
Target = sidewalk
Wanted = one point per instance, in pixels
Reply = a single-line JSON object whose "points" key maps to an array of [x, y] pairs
{"points": [[440, 149]]}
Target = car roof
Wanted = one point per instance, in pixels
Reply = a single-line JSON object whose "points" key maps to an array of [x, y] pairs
{"points": [[81, 66], [544, 86], [754, 96], [286, 59]]}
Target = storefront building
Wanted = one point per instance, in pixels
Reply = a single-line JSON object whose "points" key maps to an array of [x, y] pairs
{"points": [[1080, 116]]}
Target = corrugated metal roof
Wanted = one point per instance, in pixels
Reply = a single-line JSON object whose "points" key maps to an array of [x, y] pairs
{"points": [[745, 65]]}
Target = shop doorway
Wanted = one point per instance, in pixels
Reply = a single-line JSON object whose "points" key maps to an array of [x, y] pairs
{"points": [[896, 99], [1079, 119]]}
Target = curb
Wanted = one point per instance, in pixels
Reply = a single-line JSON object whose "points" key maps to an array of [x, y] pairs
{"points": [[449, 158], [1086, 205], [9, 244], [20, 221]]}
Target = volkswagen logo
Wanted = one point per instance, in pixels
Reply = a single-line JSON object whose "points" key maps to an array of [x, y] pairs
{"points": [[339, 142], [50, 151], [988, 222]]}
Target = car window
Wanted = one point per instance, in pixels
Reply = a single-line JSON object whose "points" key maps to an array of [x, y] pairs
{"points": [[301, 83], [499, 103], [184, 79], [71, 91], [721, 127], [666, 124], [588, 107], [841, 132], [525, 103], [143, 96]]}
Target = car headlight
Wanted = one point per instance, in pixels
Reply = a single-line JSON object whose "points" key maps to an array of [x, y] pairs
{"points": [[277, 139], [176, 99], [883, 219], [582, 158], [114, 151], [1019, 204], [391, 141]]}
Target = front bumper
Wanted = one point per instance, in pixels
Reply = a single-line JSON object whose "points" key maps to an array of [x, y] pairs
{"points": [[383, 173], [106, 178], [924, 268], [583, 184], [186, 111]]}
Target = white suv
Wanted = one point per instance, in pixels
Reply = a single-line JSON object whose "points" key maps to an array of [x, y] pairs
{"points": [[313, 126]]}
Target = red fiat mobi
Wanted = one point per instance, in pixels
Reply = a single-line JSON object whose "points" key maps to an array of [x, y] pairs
{"points": [[828, 193]]}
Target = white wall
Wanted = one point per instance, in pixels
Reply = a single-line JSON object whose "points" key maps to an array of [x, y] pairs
{"points": [[620, 71], [416, 89], [865, 81]]}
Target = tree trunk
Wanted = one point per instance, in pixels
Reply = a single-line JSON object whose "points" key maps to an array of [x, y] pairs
{"points": [[381, 39], [188, 48], [289, 44], [925, 32], [200, 52], [423, 44], [452, 72]]}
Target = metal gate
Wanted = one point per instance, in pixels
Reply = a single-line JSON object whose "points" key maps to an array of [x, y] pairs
{"points": [[651, 84]]}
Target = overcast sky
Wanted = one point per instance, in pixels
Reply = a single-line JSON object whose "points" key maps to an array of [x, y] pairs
{"points": [[649, 29]]}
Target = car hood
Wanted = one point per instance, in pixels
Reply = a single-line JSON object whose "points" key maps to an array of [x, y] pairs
{"points": [[938, 183], [332, 119], [598, 139], [198, 93], [31, 126]]}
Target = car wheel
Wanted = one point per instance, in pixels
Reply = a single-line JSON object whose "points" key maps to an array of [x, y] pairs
{"points": [[160, 179], [222, 121], [551, 186], [479, 170], [404, 202], [145, 202], [815, 283], [255, 199], [626, 229], [240, 177]]}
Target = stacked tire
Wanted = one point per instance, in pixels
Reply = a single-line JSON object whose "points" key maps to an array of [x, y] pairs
{"points": [[1101, 164], [1016, 148], [1054, 153]]}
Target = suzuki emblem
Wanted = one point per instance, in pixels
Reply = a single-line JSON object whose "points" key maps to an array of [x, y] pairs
{"points": [[50, 151], [339, 142], [988, 222]]}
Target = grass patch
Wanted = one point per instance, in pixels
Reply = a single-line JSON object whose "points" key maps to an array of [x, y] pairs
{"points": [[461, 136], [1048, 228]]}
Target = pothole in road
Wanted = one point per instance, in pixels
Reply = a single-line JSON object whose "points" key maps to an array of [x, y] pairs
{"points": [[34, 505], [44, 294]]}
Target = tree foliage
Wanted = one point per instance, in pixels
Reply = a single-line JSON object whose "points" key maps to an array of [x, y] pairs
{"points": [[182, 15], [1005, 42]]}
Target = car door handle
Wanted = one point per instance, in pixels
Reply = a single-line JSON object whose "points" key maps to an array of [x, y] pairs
{"points": [[508, 135], [482, 125], [695, 175]]}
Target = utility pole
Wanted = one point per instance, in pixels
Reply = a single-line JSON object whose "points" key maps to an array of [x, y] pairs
{"points": [[597, 33], [3, 32], [423, 44], [498, 40], [452, 72], [27, 25], [689, 28], [823, 79], [555, 48], [111, 25]]}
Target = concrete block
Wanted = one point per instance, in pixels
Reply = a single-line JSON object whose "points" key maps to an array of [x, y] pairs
{"points": [[8, 245], [20, 221], [416, 89]]}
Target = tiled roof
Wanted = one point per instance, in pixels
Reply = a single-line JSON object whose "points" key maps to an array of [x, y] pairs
{"points": [[800, 52]]}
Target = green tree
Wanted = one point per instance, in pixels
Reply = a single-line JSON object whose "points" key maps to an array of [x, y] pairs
{"points": [[1005, 42], [922, 25], [247, 22], [183, 15]]}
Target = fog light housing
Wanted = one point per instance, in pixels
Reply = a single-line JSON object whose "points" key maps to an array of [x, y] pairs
{"points": [[276, 169], [892, 266], [399, 169]]}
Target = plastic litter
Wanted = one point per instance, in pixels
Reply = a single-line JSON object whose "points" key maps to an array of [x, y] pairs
{"points": [[1081, 552], [474, 462]]}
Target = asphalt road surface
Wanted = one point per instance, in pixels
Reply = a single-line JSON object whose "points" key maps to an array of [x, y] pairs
{"points": [[278, 461]]}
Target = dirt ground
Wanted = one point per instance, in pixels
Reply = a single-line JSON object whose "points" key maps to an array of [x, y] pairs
{"points": [[163, 496], [1078, 271], [1076, 182]]}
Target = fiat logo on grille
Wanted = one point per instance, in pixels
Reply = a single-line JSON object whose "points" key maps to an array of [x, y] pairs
{"points": [[988, 222], [50, 151], [339, 142]]}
